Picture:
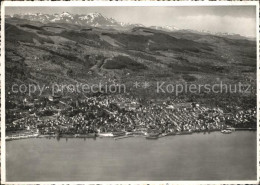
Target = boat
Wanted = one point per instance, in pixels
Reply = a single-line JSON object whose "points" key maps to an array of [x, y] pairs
{"points": [[226, 131]]}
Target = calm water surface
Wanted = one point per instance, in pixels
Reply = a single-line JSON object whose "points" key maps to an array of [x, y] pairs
{"points": [[213, 156]]}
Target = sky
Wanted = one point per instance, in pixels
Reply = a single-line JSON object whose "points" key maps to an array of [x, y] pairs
{"points": [[231, 19]]}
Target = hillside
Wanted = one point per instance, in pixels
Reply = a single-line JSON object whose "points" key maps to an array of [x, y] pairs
{"points": [[43, 53]]}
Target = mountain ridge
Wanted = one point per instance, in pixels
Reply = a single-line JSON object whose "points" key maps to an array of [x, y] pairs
{"points": [[96, 19], [91, 19]]}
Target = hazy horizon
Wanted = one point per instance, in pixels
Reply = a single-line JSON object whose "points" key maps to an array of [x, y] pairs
{"points": [[231, 19]]}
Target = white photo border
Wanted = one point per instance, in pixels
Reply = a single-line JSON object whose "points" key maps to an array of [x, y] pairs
{"points": [[117, 3]]}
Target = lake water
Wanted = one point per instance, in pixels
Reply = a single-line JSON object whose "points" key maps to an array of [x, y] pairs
{"points": [[213, 156]]}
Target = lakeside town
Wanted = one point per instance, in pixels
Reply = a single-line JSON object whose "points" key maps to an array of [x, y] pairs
{"points": [[99, 57], [119, 117]]}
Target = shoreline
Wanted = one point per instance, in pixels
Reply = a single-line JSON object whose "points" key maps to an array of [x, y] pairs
{"points": [[117, 137]]}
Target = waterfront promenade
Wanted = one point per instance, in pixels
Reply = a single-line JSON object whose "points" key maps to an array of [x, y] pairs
{"points": [[116, 136]]}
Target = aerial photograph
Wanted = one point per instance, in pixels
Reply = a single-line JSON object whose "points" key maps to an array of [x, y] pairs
{"points": [[130, 93]]}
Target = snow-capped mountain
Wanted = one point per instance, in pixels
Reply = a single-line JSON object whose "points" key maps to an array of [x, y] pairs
{"points": [[91, 19], [164, 28], [99, 20], [44, 18], [96, 19]]}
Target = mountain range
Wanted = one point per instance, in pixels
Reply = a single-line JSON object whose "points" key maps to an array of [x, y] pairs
{"points": [[91, 19], [68, 49], [101, 21]]}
